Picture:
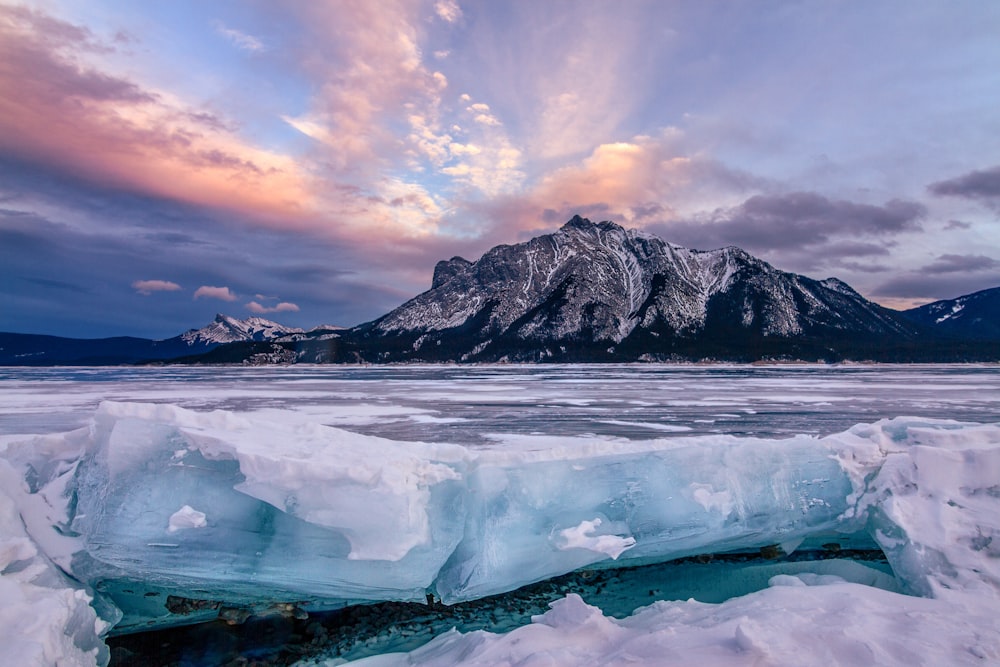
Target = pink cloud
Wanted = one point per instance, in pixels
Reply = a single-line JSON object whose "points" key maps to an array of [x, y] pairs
{"points": [[61, 109], [62, 105], [282, 307], [366, 60], [209, 292], [147, 287], [448, 10]]}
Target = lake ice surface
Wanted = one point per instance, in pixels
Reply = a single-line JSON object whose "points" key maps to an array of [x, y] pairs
{"points": [[472, 405], [537, 424]]}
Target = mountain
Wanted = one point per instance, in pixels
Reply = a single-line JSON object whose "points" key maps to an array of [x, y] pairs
{"points": [[598, 292], [974, 316], [225, 329], [589, 292], [18, 349]]}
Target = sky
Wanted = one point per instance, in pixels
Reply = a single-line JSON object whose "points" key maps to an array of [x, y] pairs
{"points": [[310, 162]]}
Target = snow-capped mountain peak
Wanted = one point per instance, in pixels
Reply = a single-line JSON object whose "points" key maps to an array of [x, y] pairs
{"points": [[226, 329], [603, 286]]}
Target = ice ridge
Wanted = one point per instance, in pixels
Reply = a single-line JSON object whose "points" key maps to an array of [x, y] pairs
{"points": [[178, 516]]}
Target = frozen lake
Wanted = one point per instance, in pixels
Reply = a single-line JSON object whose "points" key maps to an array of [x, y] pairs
{"points": [[476, 405], [764, 544]]}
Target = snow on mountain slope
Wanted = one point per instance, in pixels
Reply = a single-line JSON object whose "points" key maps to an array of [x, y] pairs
{"points": [[975, 316], [226, 329], [598, 283]]}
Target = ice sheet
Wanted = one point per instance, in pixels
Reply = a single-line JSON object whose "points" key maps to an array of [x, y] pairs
{"points": [[270, 503], [232, 507]]}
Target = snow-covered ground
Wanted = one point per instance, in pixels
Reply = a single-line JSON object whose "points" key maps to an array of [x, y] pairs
{"points": [[221, 492]]}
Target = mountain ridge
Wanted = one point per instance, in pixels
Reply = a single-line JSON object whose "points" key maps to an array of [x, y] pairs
{"points": [[975, 315], [597, 286], [226, 329], [17, 349], [588, 292]]}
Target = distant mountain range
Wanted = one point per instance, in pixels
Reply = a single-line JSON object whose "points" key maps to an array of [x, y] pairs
{"points": [[38, 350], [590, 292], [974, 316]]}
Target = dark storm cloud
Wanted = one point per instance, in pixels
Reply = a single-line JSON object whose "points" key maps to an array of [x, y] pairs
{"points": [[800, 220], [982, 185]]}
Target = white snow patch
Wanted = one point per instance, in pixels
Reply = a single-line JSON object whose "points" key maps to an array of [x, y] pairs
{"points": [[712, 500], [584, 536], [186, 517]]}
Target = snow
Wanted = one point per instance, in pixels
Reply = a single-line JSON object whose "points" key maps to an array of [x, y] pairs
{"points": [[252, 508], [957, 306], [45, 618], [186, 517], [226, 329], [825, 624], [584, 537]]}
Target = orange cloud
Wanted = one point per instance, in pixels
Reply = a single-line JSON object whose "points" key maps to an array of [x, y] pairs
{"points": [[57, 109], [61, 109], [623, 178]]}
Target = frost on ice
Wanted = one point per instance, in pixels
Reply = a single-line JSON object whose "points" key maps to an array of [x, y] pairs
{"points": [[154, 502]]}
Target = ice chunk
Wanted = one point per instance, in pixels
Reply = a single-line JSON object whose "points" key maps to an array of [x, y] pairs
{"points": [[45, 618], [674, 498], [309, 515], [186, 517], [298, 513], [933, 503]]}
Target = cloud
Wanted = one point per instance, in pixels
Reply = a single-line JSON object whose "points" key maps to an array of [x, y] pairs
{"points": [[579, 76], [922, 288], [147, 287], [949, 263], [64, 108], [981, 185], [799, 220], [281, 307], [209, 292], [957, 224], [947, 277], [240, 39], [642, 181], [480, 161], [366, 62], [448, 10], [90, 237]]}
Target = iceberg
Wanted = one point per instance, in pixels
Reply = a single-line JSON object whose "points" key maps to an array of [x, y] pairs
{"points": [[155, 515]]}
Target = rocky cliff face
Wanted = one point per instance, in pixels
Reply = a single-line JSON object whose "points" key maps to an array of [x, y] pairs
{"points": [[596, 288]]}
